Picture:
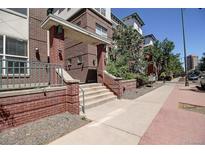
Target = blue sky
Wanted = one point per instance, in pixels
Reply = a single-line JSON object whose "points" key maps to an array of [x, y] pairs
{"points": [[166, 23]]}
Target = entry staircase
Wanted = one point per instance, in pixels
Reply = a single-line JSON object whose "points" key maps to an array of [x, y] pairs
{"points": [[95, 94]]}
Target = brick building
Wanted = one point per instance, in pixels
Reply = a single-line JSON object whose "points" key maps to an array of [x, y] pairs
{"points": [[46, 53]]}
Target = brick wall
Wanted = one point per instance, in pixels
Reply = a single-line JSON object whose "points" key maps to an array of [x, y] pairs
{"points": [[86, 72], [28, 105], [129, 85], [119, 86]]}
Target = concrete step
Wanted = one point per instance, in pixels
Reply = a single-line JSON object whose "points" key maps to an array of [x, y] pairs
{"points": [[96, 96], [94, 92], [99, 101], [89, 89], [90, 85]]}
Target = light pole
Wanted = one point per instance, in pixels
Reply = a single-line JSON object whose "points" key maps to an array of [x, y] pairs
{"points": [[185, 58]]}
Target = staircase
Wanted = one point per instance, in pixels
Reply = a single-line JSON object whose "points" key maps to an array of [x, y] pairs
{"points": [[95, 94]]}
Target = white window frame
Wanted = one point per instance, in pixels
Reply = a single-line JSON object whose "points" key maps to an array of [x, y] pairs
{"points": [[4, 55], [99, 30], [101, 10]]}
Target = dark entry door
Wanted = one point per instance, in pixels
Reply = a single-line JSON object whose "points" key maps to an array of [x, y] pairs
{"points": [[91, 76]]}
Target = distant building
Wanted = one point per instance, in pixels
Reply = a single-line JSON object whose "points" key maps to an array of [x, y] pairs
{"points": [[135, 21], [192, 62], [149, 40]]}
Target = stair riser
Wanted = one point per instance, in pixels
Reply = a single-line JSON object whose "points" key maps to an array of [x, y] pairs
{"points": [[90, 85], [94, 93], [96, 97], [93, 88], [99, 103]]}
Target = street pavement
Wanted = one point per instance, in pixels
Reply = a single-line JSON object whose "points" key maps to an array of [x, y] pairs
{"points": [[119, 122], [174, 125]]}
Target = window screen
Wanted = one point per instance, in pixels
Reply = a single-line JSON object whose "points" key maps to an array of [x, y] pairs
{"points": [[16, 47]]}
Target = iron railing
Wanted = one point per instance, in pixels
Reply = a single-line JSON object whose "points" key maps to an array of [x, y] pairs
{"points": [[22, 74], [83, 104]]}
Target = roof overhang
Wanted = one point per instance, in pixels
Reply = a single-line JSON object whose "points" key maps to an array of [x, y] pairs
{"points": [[73, 31]]}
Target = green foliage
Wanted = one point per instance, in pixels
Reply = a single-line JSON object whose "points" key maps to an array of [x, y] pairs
{"points": [[163, 59], [127, 56]]}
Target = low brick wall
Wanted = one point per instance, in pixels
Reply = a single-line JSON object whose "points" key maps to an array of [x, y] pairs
{"points": [[128, 85], [117, 85], [20, 107]]}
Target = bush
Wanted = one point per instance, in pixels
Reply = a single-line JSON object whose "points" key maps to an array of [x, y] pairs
{"points": [[142, 79]]}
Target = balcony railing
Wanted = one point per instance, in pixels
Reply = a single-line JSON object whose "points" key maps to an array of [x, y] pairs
{"points": [[19, 74]]}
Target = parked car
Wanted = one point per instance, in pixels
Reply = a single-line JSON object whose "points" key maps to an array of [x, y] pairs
{"points": [[193, 77], [202, 81]]}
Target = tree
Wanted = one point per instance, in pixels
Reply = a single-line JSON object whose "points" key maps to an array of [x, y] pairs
{"points": [[157, 56], [202, 63], [167, 48], [163, 60], [126, 58], [174, 65]]}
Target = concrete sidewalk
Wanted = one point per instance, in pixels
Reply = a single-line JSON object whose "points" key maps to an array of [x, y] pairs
{"points": [[119, 122]]}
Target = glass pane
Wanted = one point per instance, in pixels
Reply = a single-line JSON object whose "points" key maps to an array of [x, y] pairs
{"points": [[19, 10], [98, 9], [1, 64], [16, 65], [1, 44], [16, 47], [103, 11]]}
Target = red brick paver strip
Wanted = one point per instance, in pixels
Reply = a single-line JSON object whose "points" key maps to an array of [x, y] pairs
{"points": [[173, 125]]}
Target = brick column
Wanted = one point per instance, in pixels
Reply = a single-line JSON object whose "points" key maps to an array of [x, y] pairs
{"points": [[56, 46], [72, 98], [57, 52], [101, 51]]}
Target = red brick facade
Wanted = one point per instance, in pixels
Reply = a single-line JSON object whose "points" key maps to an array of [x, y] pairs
{"points": [[87, 71], [119, 86], [23, 108]]}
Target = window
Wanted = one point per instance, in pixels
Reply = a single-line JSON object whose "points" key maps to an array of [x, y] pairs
{"points": [[100, 30], [101, 11], [79, 60], [16, 47], [69, 61], [1, 44], [19, 10], [16, 66], [13, 56]]}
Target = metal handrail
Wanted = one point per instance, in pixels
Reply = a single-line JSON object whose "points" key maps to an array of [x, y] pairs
{"points": [[23, 74], [83, 106]]}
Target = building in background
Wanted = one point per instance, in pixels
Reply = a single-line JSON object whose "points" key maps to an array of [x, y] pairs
{"points": [[149, 41], [135, 21], [192, 62]]}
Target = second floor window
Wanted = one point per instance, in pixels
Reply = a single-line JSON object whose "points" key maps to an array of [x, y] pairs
{"points": [[101, 11], [100, 30], [1, 44], [19, 10]]}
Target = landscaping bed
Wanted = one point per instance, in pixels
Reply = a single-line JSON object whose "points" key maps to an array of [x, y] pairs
{"points": [[133, 94], [43, 131]]}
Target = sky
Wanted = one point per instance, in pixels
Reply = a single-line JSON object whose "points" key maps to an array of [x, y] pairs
{"points": [[166, 23]]}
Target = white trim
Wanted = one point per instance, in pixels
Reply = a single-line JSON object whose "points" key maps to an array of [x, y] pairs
{"points": [[48, 43], [66, 24], [15, 56], [28, 44], [14, 12], [4, 52]]}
